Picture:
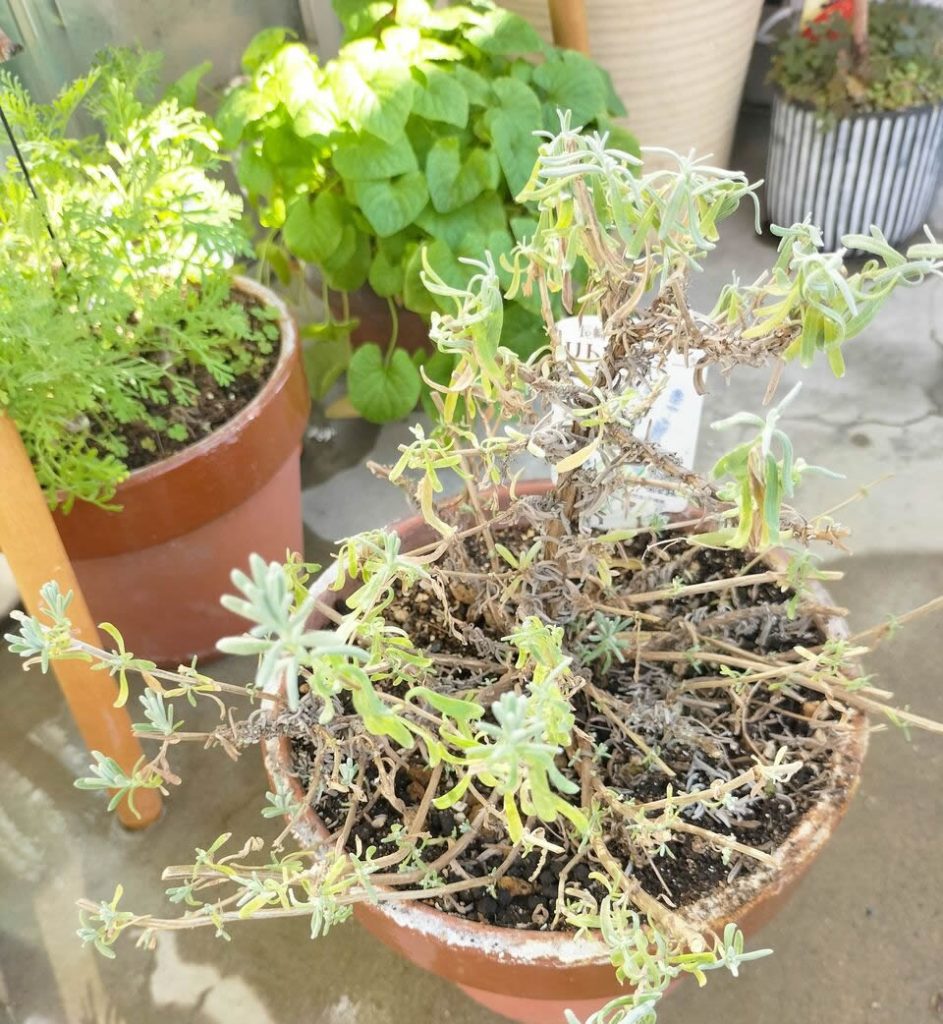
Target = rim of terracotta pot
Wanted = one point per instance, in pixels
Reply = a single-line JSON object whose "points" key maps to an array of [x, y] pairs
{"points": [[174, 496], [733, 901]]}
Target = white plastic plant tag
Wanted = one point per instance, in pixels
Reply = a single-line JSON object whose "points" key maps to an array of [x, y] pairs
{"points": [[8, 593], [673, 423]]}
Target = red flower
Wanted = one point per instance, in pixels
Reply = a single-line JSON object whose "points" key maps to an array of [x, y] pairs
{"points": [[835, 9]]}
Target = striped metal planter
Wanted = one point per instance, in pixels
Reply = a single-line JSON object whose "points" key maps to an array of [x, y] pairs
{"points": [[880, 168]]}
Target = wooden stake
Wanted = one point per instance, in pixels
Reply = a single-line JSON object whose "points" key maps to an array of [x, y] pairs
{"points": [[31, 544], [570, 25], [859, 33]]}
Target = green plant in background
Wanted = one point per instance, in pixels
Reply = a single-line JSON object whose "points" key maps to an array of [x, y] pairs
{"points": [[898, 64], [413, 141], [561, 650], [117, 278]]}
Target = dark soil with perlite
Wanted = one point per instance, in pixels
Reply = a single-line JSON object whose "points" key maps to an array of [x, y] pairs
{"points": [[694, 727]]}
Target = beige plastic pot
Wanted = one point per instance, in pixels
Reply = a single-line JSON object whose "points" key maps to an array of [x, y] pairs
{"points": [[158, 568], [532, 976], [678, 65]]}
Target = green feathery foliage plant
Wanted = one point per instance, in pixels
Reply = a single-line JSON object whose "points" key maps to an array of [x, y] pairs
{"points": [[117, 280], [579, 705]]}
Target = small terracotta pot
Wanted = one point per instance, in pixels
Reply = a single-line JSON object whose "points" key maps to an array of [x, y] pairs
{"points": [[158, 567], [533, 976], [376, 324]]}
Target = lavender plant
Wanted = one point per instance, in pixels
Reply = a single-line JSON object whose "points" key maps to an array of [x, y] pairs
{"points": [[524, 717]]}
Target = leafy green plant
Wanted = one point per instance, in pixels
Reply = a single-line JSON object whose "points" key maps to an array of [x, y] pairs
{"points": [[117, 281], [899, 64], [536, 680], [410, 145]]}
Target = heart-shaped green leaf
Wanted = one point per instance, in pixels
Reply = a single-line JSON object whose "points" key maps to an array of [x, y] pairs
{"points": [[393, 204], [515, 96], [359, 17], [263, 46], [314, 229], [291, 157], [386, 273], [347, 268], [367, 158], [571, 81], [297, 78], [240, 108], [255, 173], [479, 218], [440, 97], [411, 46], [453, 182], [500, 31], [512, 125], [475, 85], [382, 391], [314, 118], [374, 94]]}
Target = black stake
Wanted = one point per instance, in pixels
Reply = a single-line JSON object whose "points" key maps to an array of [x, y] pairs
{"points": [[24, 168], [9, 49]]}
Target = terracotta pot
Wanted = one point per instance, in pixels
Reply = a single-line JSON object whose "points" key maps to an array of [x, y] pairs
{"points": [[375, 324], [158, 568], [532, 976]]}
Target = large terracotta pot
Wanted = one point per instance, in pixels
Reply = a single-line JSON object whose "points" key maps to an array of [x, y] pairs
{"points": [[532, 976], [678, 65], [158, 568]]}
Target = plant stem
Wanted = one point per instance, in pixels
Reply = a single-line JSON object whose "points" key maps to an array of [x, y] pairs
{"points": [[658, 915], [483, 521], [722, 840], [604, 701], [771, 576], [885, 629], [752, 776], [394, 331]]}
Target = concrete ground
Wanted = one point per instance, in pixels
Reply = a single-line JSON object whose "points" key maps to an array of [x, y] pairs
{"points": [[862, 940]]}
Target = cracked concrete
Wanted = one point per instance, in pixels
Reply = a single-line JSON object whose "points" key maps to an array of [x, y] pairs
{"points": [[859, 944]]}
